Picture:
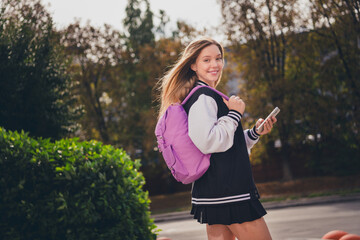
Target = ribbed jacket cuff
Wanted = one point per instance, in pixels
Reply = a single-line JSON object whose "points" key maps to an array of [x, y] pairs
{"points": [[235, 115], [253, 134]]}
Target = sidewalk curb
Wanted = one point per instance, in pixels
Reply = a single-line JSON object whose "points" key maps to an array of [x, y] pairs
{"points": [[268, 206]]}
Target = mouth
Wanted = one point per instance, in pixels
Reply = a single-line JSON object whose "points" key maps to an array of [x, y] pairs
{"points": [[214, 72]]}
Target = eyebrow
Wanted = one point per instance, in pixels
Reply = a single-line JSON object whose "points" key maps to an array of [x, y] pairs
{"points": [[211, 56]]}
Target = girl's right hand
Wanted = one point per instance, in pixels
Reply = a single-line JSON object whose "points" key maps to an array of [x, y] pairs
{"points": [[236, 103]]}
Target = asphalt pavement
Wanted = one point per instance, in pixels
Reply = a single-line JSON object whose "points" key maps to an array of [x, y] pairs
{"points": [[174, 216]]}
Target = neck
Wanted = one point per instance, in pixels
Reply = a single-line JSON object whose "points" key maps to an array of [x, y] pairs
{"points": [[211, 84]]}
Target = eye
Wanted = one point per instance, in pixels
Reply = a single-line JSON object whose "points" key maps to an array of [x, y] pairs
{"points": [[206, 60], [219, 59]]}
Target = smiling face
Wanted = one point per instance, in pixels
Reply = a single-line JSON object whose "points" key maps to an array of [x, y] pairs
{"points": [[208, 65]]}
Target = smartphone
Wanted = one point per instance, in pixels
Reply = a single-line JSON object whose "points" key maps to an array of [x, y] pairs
{"points": [[272, 114]]}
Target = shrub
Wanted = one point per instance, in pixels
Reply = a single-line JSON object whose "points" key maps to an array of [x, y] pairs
{"points": [[70, 190]]}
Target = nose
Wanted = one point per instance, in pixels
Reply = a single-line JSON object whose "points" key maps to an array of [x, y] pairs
{"points": [[214, 63]]}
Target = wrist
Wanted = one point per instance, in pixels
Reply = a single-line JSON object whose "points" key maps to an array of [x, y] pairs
{"points": [[253, 134], [234, 115], [255, 131]]}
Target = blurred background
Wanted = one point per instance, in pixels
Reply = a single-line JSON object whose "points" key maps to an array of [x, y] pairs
{"points": [[89, 69]]}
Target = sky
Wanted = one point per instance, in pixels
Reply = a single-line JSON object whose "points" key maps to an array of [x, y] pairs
{"points": [[199, 13]]}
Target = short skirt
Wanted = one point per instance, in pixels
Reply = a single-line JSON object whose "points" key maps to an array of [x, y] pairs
{"points": [[230, 213]]}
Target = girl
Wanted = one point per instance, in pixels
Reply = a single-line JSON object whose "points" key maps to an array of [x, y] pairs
{"points": [[225, 197]]}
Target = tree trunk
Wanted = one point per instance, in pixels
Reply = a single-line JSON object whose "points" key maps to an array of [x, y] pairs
{"points": [[287, 173], [285, 152], [96, 106]]}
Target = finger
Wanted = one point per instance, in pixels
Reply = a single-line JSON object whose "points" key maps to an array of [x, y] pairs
{"points": [[265, 130], [272, 119], [268, 128], [226, 102], [269, 124]]}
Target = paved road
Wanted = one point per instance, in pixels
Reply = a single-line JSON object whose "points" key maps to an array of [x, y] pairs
{"points": [[299, 222]]}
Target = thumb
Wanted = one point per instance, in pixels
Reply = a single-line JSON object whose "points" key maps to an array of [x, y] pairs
{"points": [[259, 122], [226, 102]]}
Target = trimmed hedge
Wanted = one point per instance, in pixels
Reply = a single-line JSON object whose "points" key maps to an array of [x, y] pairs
{"points": [[70, 190]]}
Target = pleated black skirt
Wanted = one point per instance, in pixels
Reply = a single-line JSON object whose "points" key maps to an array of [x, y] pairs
{"points": [[230, 213]]}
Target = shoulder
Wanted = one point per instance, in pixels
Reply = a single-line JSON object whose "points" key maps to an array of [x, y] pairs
{"points": [[205, 95], [207, 92]]}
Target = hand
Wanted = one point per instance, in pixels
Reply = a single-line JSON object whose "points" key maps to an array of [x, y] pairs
{"points": [[267, 126], [235, 103]]}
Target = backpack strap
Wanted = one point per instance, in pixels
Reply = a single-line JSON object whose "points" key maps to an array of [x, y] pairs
{"points": [[197, 87]]}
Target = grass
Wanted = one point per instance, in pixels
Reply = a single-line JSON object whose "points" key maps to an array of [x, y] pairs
{"points": [[270, 191]]}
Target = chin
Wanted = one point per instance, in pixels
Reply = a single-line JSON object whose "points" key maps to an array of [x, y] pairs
{"points": [[212, 79], [211, 82]]}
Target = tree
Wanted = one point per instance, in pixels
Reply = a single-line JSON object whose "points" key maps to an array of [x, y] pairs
{"points": [[335, 25], [96, 53], [35, 87], [257, 30], [337, 22], [139, 24], [305, 64]]}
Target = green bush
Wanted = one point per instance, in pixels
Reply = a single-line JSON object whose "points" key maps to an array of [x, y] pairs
{"points": [[70, 190]]}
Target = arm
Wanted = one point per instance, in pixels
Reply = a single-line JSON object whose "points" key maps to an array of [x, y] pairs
{"points": [[208, 133], [251, 138]]}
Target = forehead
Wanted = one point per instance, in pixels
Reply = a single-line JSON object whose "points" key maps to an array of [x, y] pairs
{"points": [[211, 50]]}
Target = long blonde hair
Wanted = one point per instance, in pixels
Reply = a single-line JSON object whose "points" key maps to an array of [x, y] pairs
{"points": [[180, 79]]}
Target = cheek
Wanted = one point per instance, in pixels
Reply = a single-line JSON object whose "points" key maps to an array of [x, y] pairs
{"points": [[221, 65], [202, 67]]}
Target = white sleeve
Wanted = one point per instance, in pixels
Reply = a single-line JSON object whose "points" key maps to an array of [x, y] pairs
{"points": [[251, 138], [208, 133]]}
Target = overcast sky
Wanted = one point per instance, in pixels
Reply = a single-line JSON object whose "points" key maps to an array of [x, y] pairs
{"points": [[199, 13]]}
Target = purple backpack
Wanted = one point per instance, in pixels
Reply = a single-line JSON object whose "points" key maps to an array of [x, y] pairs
{"points": [[185, 161]]}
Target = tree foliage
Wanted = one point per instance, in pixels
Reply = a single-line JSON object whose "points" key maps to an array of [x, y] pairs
{"points": [[304, 62], [35, 87], [139, 24], [95, 54]]}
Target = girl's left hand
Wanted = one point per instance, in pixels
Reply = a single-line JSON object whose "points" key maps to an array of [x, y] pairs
{"points": [[267, 126]]}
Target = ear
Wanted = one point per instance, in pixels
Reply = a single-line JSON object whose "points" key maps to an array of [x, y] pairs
{"points": [[193, 67]]}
